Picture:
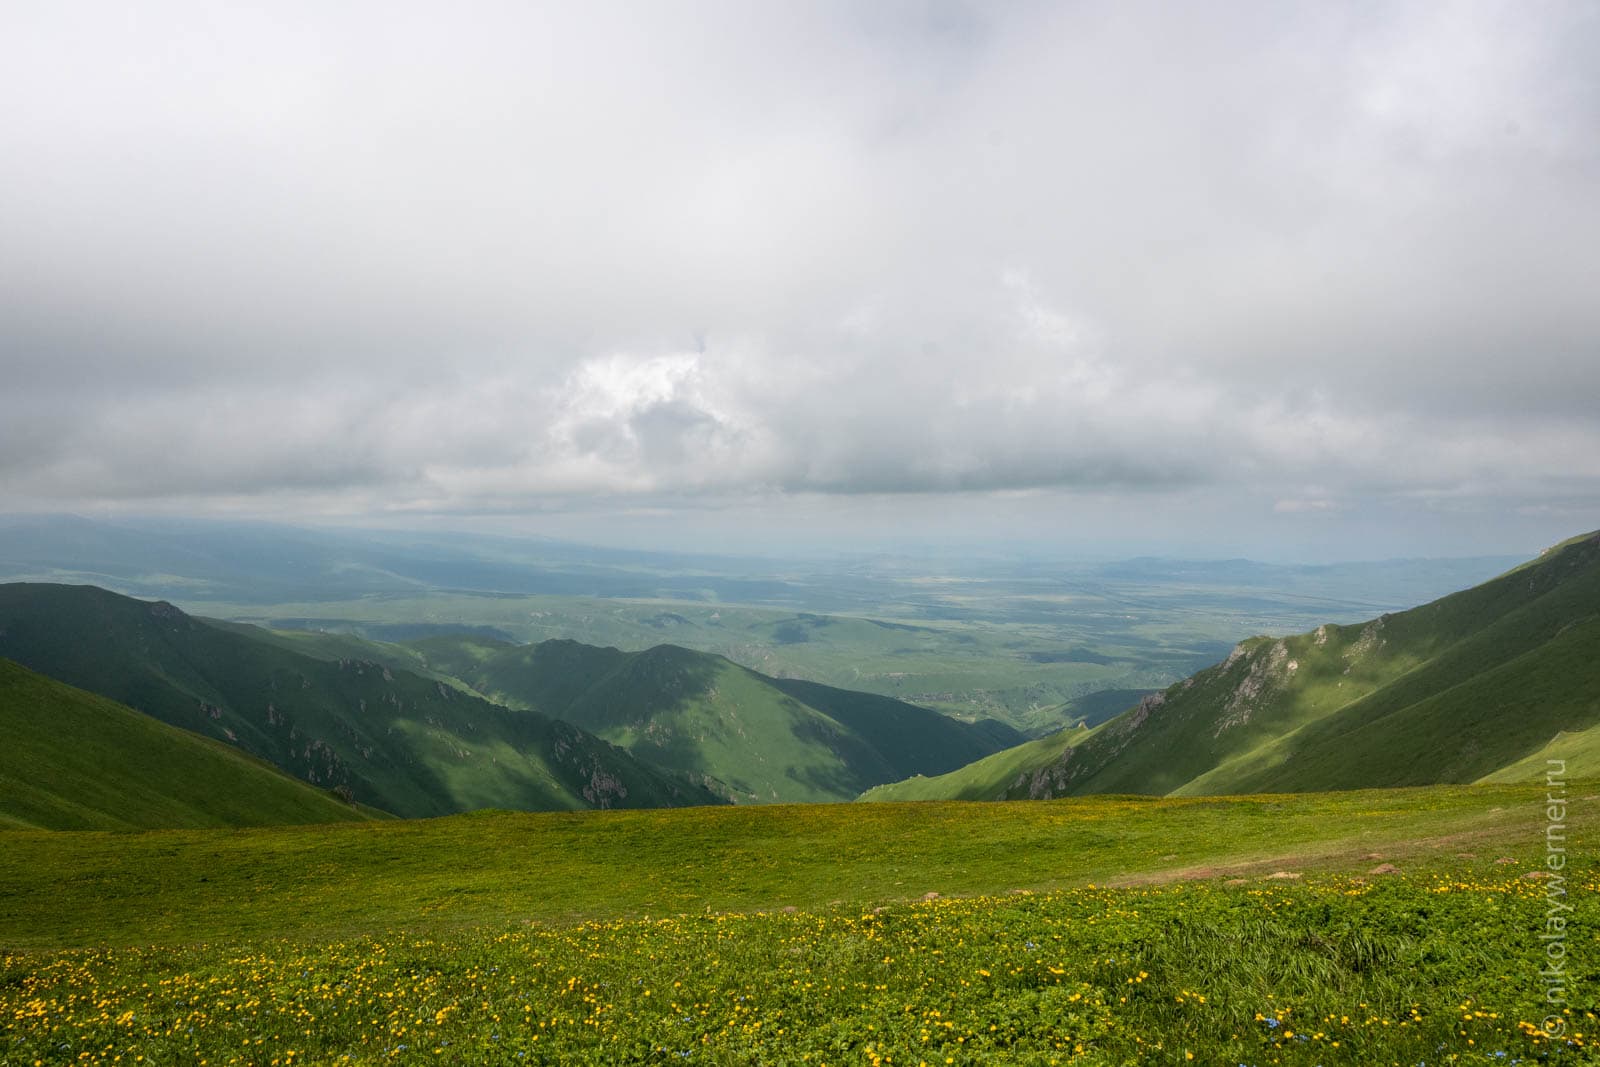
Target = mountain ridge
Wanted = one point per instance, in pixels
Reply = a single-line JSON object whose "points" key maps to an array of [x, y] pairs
{"points": [[761, 738], [411, 745], [73, 760], [1454, 690]]}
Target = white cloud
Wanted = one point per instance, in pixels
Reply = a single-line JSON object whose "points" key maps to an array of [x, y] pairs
{"points": [[667, 253]]}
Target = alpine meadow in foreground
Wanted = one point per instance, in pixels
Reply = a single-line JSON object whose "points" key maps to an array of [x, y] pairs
{"points": [[1327, 933], [1335, 970]]}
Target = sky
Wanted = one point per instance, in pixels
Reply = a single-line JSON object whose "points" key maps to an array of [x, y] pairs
{"points": [[1274, 279]]}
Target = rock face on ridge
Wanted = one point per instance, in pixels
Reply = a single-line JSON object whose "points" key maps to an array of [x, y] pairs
{"points": [[1463, 688]]}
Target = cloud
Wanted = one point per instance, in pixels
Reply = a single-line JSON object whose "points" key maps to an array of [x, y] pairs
{"points": [[1307, 506], [384, 257]]}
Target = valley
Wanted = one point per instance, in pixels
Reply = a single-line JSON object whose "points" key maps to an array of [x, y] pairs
{"points": [[1308, 849], [1018, 638]]}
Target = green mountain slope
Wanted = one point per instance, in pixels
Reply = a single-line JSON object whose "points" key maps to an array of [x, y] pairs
{"points": [[761, 739], [1092, 709], [978, 781], [75, 761], [1465, 688], [397, 741], [549, 676], [1578, 753]]}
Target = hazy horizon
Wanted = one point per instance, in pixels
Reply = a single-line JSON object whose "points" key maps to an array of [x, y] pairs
{"points": [[736, 547]]}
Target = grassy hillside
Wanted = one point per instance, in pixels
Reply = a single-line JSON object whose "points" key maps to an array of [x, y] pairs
{"points": [[407, 744], [977, 780], [321, 644], [1092, 709], [1578, 753], [762, 739], [1462, 689], [74, 761], [1100, 931], [433, 875], [1329, 972]]}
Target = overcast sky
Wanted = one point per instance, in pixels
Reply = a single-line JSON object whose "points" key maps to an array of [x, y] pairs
{"points": [[1227, 278]]}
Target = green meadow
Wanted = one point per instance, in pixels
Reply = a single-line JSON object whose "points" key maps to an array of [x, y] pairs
{"points": [[1395, 926]]}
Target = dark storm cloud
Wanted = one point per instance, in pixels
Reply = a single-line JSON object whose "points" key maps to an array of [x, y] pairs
{"points": [[384, 256]]}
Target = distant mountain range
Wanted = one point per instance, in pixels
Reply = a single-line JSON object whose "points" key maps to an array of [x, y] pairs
{"points": [[747, 736], [194, 561], [1021, 637], [124, 713], [1484, 684], [257, 562], [392, 739], [756, 738], [413, 730]]}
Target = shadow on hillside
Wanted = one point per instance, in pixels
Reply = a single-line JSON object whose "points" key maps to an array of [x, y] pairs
{"points": [[859, 764], [651, 695]]}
